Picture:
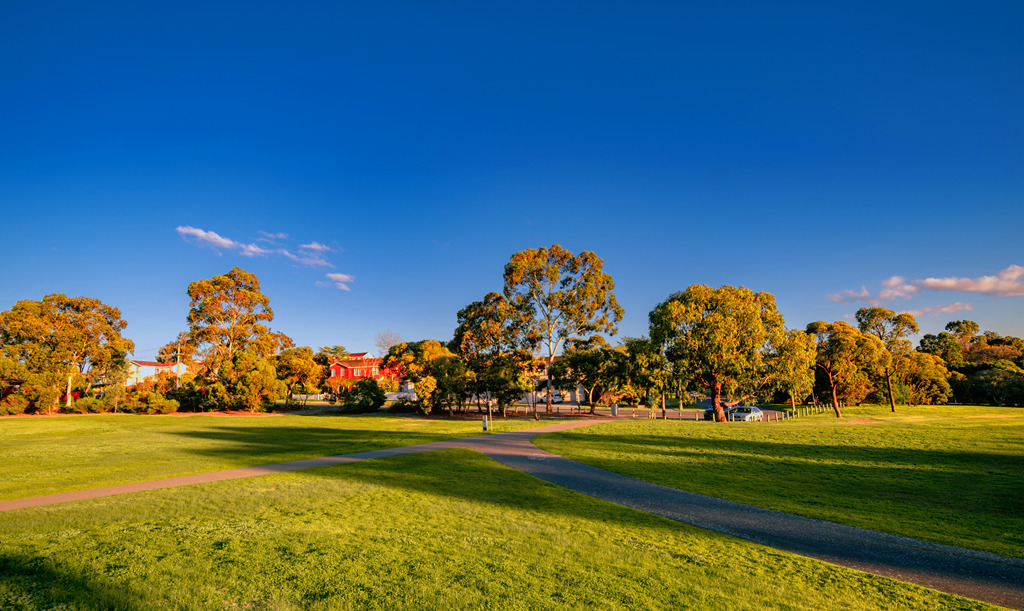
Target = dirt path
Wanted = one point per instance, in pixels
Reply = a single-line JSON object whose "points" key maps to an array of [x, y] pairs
{"points": [[970, 573]]}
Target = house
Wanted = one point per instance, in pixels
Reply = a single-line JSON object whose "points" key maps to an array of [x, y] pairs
{"points": [[355, 366], [141, 371]]}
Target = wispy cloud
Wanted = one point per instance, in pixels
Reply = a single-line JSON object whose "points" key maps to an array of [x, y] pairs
{"points": [[313, 254], [316, 247], [306, 259], [341, 281], [847, 296], [214, 240], [1007, 283], [941, 309]]}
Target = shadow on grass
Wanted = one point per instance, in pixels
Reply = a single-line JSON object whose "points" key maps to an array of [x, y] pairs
{"points": [[287, 443], [28, 583], [937, 479]]}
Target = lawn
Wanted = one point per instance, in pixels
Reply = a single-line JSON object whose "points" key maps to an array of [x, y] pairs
{"points": [[48, 455], [950, 474], [441, 530]]}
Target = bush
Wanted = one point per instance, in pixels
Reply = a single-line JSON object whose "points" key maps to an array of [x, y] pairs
{"points": [[91, 405], [403, 406], [366, 397], [13, 404], [149, 403]]}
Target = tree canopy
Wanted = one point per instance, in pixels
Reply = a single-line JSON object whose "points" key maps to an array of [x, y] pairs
{"points": [[49, 344], [720, 336], [227, 314], [562, 295]]}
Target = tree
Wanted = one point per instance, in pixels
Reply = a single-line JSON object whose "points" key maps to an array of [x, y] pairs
{"points": [[250, 381], [58, 340], [846, 357], [926, 379], [720, 336], [944, 345], [180, 350], [384, 340], [891, 328], [226, 315], [793, 365], [489, 336], [413, 360], [964, 331], [563, 296], [592, 365], [644, 368], [297, 367]]}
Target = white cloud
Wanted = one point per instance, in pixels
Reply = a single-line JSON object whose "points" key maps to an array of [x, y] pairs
{"points": [[206, 238], [341, 281], [1006, 283], [306, 258], [847, 296], [317, 247], [270, 237], [940, 309], [897, 288]]}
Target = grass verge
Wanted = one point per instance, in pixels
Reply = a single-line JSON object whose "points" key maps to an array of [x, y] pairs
{"points": [[953, 475], [49, 455], [442, 530]]}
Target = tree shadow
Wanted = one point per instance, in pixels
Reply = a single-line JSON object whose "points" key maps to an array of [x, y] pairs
{"points": [[42, 583]]}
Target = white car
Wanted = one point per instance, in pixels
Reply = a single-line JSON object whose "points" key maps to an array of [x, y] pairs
{"points": [[745, 414]]}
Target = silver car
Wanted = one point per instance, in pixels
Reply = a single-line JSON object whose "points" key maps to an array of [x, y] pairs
{"points": [[745, 414]]}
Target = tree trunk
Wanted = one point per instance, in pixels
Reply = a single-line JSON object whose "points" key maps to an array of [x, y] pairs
{"points": [[716, 401], [67, 397], [547, 374], [888, 382]]}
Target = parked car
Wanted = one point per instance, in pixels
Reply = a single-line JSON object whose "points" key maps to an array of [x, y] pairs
{"points": [[709, 413], [745, 413], [556, 396]]}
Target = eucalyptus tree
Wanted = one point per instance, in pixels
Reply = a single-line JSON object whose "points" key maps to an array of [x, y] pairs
{"points": [[892, 329], [564, 296], [793, 365], [592, 365], [491, 335], [227, 313], [53, 342], [846, 357], [722, 337]]}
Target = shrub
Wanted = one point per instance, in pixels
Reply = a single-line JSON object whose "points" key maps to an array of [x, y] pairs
{"points": [[365, 397], [403, 406], [91, 405], [149, 403], [13, 404]]}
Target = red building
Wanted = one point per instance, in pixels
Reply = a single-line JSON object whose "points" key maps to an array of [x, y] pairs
{"points": [[356, 366]]}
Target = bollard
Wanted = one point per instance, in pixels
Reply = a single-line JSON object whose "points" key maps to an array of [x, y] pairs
{"points": [[485, 424]]}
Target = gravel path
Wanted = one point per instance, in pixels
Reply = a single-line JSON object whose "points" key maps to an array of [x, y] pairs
{"points": [[970, 573]]}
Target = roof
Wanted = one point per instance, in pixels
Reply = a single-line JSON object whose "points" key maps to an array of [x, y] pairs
{"points": [[150, 363]]}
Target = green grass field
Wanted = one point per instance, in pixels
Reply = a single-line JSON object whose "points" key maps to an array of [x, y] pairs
{"points": [[442, 530], [49, 455], [948, 474]]}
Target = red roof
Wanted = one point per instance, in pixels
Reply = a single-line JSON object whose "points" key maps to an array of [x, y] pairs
{"points": [[152, 364]]}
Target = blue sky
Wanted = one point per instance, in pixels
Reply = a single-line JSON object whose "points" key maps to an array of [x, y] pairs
{"points": [[376, 164]]}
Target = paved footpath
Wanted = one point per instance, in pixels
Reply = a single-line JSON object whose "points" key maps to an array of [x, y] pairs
{"points": [[979, 575]]}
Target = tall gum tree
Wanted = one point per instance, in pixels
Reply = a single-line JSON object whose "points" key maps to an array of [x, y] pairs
{"points": [[564, 296], [892, 329], [722, 337], [227, 314]]}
